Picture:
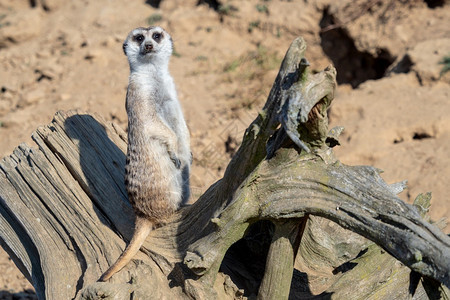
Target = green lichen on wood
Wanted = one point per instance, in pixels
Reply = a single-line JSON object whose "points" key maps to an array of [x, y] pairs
{"points": [[423, 203], [445, 61]]}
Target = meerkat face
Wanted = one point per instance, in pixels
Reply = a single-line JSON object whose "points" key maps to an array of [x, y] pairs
{"points": [[147, 44]]}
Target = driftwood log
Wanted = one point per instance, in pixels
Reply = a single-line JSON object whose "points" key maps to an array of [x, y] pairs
{"points": [[64, 214]]}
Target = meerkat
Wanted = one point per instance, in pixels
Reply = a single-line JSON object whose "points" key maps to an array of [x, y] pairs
{"points": [[158, 155]]}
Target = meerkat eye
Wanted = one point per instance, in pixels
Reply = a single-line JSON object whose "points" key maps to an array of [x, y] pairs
{"points": [[157, 36], [139, 38]]}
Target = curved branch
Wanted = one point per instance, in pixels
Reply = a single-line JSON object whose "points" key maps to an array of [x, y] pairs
{"points": [[358, 199]]}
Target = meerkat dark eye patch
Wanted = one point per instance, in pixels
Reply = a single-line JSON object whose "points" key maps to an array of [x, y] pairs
{"points": [[157, 37], [139, 38]]}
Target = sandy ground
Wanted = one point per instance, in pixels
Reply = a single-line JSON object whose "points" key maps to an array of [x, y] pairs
{"points": [[392, 100]]}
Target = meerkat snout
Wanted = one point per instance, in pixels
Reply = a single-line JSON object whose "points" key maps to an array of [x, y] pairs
{"points": [[148, 47]]}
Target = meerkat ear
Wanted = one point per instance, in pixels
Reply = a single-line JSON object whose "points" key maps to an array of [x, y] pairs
{"points": [[124, 46]]}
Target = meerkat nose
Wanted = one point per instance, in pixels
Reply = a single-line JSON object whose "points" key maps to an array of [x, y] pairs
{"points": [[148, 47]]}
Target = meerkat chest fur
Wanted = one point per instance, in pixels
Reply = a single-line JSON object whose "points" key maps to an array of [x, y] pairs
{"points": [[158, 96]]}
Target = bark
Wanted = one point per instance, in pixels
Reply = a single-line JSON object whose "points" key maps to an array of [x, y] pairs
{"points": [[64, 214]]}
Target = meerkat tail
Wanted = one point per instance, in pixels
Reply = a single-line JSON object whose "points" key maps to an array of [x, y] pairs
{"points": [[141, 231]]}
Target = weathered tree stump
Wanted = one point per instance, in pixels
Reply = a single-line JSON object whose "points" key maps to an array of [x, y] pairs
{"points": [[64, 214]]}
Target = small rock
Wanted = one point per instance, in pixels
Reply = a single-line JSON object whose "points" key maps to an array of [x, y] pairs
{"points": [[22, 27], [31, 97], [65, 97], [51, 68], [426, 56], [109, 42]]}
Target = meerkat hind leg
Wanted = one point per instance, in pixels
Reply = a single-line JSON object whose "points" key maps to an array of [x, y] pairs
{"points": [[142, 229]]}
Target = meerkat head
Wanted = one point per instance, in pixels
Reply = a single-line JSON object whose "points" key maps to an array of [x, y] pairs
{"points": [[147, 45]]}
